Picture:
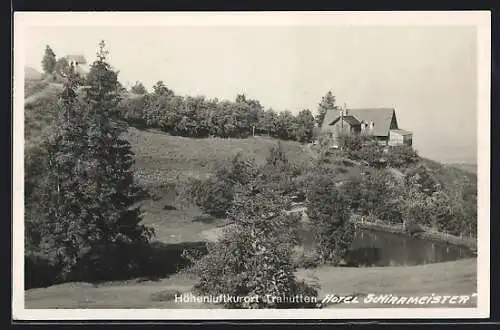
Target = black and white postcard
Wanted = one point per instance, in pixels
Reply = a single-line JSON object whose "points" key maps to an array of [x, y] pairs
{"points": [[251, 165]]}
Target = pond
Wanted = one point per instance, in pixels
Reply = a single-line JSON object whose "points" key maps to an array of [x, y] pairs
{"points": [[377, 248]]}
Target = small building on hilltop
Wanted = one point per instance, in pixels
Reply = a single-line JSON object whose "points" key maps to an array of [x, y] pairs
{"points": [[380, 123], [79, 62]]}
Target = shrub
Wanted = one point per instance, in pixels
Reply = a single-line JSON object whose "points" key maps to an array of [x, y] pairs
{"points": [[254, 256], [370, 153], [215, 194], [330, 213], [350, 142], [424, 178], [132, 111], [376, 195], [401, 156]]}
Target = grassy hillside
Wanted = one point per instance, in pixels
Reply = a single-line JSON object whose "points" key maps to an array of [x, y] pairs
{"points": [[161, 160], [162, 156]]}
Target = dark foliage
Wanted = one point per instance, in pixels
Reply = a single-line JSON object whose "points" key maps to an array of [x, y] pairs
{"points": [[330, 213], [81, 197], [253, 258]]}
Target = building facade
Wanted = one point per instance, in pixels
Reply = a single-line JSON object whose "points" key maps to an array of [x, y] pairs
{"points": [[380, 123]]}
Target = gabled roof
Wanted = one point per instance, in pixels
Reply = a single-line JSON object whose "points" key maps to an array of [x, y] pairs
{"points": [[351, 120], [381, 118], [401, 131], [77, 58], [330, 117]]}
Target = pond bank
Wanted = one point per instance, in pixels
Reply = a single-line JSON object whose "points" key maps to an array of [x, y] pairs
{"points": [[428, 234]]}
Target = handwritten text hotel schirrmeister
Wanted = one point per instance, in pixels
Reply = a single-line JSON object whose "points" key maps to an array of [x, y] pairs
{"points": [[329, 299]]}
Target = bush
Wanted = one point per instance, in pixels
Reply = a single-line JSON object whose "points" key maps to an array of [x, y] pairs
{"points": [[131, 110], [215, 195], [401, 156], [254, 256], [371, 153], [377, 195], [424, 178], [330, 214], [353, 142]]}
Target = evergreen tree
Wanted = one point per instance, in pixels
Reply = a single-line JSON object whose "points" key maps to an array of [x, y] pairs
{"points": [[60, 198], [327, 103], [138, 88], [89, 222], [109, 161], [49, 60], [160, 89]]}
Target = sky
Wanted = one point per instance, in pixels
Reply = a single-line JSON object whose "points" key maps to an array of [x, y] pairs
{"points": [[428, 74]]}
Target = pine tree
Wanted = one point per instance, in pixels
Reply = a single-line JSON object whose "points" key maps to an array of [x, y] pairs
{"points": [[110, 183], [49, 60], [327, 103], [89, 222], [138, 88], [60, 193]]}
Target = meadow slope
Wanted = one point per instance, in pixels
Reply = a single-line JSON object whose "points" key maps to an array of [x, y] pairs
{"points": [[163, 161]]}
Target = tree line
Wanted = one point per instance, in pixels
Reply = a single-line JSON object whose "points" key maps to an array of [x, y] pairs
{"points": [[200, 117]]}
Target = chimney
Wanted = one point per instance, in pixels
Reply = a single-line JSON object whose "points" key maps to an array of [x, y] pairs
{"points": [[342, 118]]}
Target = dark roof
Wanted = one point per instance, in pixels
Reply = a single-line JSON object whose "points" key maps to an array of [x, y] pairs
{"points": [[351, 120], [381, 118], [401, 131], [77, 58], [330, 117]]}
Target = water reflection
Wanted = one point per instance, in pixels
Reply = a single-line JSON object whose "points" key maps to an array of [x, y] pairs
{"points": [[375, 248]]}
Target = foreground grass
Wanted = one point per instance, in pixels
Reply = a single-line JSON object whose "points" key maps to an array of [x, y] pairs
{"points": [[455, 278]]}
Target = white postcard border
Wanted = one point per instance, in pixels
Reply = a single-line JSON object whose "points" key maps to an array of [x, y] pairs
{"points": [[480, 19]]}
